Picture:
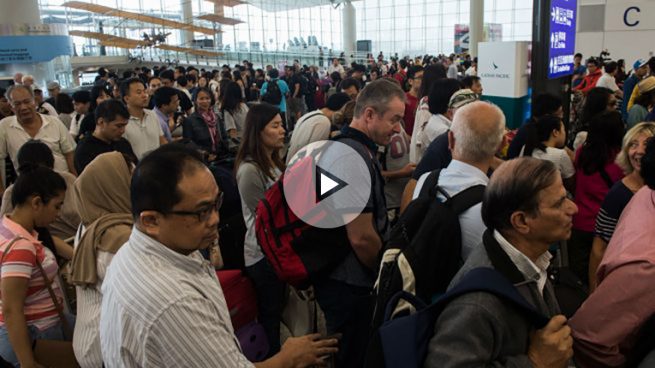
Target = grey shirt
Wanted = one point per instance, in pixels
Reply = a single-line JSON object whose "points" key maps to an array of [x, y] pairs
{"points": [[252, 185]]}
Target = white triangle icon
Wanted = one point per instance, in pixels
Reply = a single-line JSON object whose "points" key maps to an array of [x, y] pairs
{"points": [[327, 184]]}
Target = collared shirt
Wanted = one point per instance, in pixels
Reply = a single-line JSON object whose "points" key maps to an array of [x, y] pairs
{"points": [[455, 178], [164, 309], [20, 262], [163, 121], [537, 271], [143, 134], [52, 132]]}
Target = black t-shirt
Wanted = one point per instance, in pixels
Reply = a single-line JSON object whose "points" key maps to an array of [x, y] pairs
{"points": [[90, 147], [296, 79], [437, 156], [350, 270]]}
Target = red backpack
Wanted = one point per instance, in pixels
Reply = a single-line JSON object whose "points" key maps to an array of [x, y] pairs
{"points": [[298, 252]]}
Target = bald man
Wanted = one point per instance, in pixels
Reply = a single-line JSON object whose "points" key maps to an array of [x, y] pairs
{"points": [[476, 134], [18, 78]]}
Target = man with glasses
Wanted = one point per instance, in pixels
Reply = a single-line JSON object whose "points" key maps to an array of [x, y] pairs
{"points": [[27, 124], [163, 305], [414, 77]]}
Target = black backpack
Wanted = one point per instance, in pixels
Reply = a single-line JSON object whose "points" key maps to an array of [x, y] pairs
{"points": [[273, 93], [423, 253], [427, 238]]}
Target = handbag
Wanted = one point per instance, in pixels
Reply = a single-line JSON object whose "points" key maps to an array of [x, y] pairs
{"points": [[300, 315], [51, 353]]}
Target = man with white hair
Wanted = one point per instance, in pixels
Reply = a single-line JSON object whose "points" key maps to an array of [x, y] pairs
{"points": [[28, 81], [476, 134], [18, 78]]}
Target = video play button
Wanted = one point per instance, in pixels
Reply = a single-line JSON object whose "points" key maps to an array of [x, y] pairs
{"points": [[327, 184]]}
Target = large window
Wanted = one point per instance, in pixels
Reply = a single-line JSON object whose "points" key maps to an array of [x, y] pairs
{"points": [[406, 27]]}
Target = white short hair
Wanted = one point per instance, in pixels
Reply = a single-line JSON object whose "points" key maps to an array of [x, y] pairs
{"points": [[478, 128]]}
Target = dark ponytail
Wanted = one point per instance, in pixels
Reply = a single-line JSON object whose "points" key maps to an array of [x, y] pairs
{"points": [[36, 180], [539, 131]]}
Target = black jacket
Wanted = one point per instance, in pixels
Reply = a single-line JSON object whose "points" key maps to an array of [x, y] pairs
{"points": [[195, 129]]}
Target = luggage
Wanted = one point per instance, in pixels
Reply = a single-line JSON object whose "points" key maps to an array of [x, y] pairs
{"points": [[240, 297], [252, 339]]}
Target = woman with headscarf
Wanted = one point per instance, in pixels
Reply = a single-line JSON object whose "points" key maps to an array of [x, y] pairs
{"points": [[102, 196]]}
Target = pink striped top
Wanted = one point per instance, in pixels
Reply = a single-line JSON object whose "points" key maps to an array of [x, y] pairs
{"points": [[39, 308]]}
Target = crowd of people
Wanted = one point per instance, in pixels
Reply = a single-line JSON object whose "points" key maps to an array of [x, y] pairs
{"points": [[120, 193]]}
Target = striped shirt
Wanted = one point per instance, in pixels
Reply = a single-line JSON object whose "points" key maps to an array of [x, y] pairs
{"points": [[164, 309], [86, 337], [610, 211], [20, 261]]}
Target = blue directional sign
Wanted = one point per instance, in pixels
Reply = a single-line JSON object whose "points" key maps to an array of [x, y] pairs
{"points": [[33, 48], [561, 47]]}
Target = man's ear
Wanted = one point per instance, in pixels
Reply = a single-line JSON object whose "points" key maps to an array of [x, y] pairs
{"points": [[150, 222], [451, 140], [519, 221]]}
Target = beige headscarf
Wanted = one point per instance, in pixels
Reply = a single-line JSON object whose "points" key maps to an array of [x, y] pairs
{"points": [[102, 197]]}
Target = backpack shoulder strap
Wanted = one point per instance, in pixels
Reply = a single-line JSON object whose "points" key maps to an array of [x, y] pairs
{"points": [[482, 279], [488, 280], [467, 198], [429, 188]]}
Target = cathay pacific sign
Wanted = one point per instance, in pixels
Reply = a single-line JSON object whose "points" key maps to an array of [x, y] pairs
{"points": [[503, 68], [495, 74]]}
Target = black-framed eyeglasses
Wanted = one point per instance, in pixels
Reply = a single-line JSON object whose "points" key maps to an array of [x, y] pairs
{"points": [[204, 213]]}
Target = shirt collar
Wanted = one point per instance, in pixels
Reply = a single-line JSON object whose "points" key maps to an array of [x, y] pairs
{"points": [[358, 135], [45, 121], [146, 112], [192, 263], [17, 229], [467, 169], [535, 271], [160, 114]]}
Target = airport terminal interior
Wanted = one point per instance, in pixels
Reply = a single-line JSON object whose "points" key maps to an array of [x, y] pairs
{"points": [[327, 183]]}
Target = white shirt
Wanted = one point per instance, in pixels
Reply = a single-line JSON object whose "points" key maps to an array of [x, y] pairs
{"points": [[86, 336], [471, 71], [311, 127], [452, 72], [422, 115], [557, 156], [607, 81], [455, 178], [164, 309], [53, 133], [537, 271], [143, 134], [75, 124], [50, 109], [425, 133], [338, 68]]}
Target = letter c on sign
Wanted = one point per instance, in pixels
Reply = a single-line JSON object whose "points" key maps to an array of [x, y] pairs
{"points": [[625, 16]]}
